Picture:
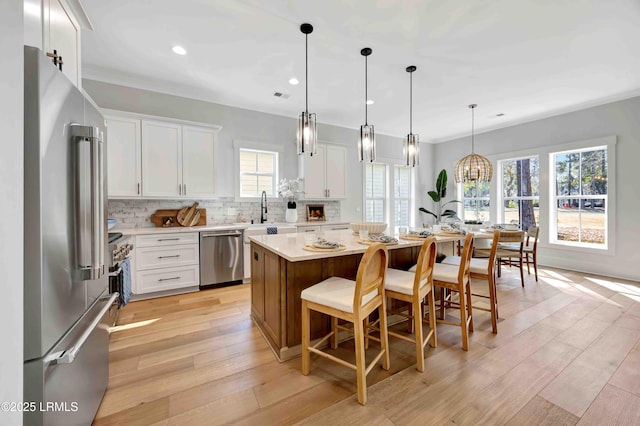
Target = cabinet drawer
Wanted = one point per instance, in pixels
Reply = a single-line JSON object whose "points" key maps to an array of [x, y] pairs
{"points": [[159, 240], [308, 228], [167, 279], [336, 227], [169, 256]]}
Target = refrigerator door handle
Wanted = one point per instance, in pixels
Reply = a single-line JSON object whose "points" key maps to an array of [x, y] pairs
{"points": [[89, 200], [69, 355]]}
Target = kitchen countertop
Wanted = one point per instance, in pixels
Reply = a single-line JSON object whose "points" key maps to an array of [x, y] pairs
{"points": [[223, 227]]}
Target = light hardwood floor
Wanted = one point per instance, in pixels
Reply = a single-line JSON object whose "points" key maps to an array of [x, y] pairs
{"points": [[567, 352]]}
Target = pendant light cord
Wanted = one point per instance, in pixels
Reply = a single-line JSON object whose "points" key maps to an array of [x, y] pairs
{"points": [[411, 103], [366, 96], [472, 128], [306, 73]]}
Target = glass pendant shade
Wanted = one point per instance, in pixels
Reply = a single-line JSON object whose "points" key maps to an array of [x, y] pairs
{"points": [[412, 150], [367, 139], [307, 136], [367, 143], [473, 167]]}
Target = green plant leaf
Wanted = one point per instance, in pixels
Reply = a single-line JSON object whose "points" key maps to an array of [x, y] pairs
{"points": [[441, 183], [434, 196], [423, 210], [449, 213], [451, 201]]}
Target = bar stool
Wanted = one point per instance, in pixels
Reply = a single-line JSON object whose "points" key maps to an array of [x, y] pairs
{"points": [[353, 302], [485, 269], [457, 278], [413, 288]]}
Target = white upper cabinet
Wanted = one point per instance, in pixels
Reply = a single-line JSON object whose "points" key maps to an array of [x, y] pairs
{"points": [[55, 25], [152, 158], [124, 157], [325, 173], [161, 159], [198, 173]]}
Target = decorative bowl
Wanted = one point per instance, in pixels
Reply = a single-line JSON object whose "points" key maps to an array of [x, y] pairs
{"points": [[372, 227], [111, 223]]}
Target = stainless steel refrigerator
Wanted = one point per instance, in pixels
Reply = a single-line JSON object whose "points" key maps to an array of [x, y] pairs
{"points": [[67, 308]]}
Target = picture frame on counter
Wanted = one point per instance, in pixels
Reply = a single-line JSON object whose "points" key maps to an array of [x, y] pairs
{"points": [[315, 213]]}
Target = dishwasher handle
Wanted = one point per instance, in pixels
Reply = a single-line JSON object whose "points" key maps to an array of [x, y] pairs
{"points": [[226, 234]]}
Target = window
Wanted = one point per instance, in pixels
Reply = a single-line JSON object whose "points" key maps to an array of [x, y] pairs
{"points": [[520, 191], [475, 201], [402, 183], [581, 189], [258, 172], [375, 192]]}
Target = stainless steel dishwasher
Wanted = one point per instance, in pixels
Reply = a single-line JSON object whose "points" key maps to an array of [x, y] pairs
{"points": [[221, 257]]}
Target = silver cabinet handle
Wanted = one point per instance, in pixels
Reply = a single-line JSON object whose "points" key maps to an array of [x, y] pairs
{"points": [[328, 193], [169, 257], [168, 279], [138, 188], [222, 235], [168, 239], [89, 230], [185, 189], [68, 356], [179, 189]]}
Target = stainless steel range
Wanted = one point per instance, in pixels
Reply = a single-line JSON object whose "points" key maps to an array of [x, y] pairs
{"points": [[119, 257]]}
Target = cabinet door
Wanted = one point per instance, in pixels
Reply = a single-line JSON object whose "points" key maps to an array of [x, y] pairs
{"points": [[336, 172], [257, 281], [314, 174], [198, 173], [63, 37], [161, 159], [123, 157]]}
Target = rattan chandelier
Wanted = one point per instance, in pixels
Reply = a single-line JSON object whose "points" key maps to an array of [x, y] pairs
{"points": [[473, 167]]}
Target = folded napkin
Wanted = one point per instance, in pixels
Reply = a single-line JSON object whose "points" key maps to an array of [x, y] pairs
{"points": [[385, 239], [423, 234], [322, 243]]}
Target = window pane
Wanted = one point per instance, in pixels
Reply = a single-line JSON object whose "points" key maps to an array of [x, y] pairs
{"points": [[247, 161], [374, 211], [402, 213], [567, 174], [568, 222], [510, 178], [594, 172], [476, 210], [593, 220], [526, 213], [265, 163], [375, 180], [402, 182], [528, 170], [265, 183], [476, 189], [248, 185]]}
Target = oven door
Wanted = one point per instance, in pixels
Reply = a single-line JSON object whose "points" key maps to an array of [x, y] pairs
{"points": [[116, 280]]}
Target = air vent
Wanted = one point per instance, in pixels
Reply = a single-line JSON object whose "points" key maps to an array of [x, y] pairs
{"points": [[500, 115], [281, 95]]}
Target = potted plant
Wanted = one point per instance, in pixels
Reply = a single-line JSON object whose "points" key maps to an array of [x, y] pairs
{"points": [[289, 189], [438, 197]]}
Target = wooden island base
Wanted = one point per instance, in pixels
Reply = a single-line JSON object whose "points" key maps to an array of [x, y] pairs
{"points": [[276, 285]]}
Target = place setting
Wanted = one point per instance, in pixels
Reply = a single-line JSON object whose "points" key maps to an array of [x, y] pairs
{"points": [[368, 239], [322, 245]]}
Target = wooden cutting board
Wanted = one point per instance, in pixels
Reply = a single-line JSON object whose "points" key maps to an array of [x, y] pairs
{"points": [[186, 214], [168, 218]]}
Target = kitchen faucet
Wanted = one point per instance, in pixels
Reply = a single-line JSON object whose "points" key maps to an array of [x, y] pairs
{"points": [[263, 207]]}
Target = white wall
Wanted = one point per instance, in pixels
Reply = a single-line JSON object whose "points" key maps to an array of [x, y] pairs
{"points": [[246, 125], [620, 119], [11, 194]]}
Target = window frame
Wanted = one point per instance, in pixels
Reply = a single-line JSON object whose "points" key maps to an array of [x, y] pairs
{"points": [[554, 198], [239, 145]]}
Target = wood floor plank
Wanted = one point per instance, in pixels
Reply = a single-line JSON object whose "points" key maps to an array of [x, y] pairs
{"points": [[579, 384], [540, 412], [583, 333], [221, 411], [613, 407], [139, 415], [627, 377]]}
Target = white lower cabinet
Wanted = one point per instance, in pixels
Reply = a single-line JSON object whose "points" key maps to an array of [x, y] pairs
{"points": [[167, 262]]}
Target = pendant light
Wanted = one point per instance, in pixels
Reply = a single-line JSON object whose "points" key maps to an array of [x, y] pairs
{"points": [[367, 141], [411, 142], [307, 137], [473, 167]]}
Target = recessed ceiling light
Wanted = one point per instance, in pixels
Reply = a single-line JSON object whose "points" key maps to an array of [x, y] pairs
{"points": [[500, 115], [179, 50], [370, 102], [293, 81]]}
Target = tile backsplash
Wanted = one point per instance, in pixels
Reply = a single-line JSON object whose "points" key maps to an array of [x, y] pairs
{"points": [[136, 213]]}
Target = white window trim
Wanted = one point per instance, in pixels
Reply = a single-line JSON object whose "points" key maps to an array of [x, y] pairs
{"points": [[255, 146], [610, 210]]}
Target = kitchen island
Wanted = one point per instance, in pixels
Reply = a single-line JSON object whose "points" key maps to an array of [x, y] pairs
{"points": [[281, 269]]}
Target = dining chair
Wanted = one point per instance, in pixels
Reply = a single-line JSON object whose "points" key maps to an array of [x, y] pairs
{"points": [[457, 279], [351, 301], [510, 250], [529, 249], [413, 287], [484, 269]]}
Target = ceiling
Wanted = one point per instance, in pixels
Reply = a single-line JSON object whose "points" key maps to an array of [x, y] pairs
{"points": [[526, 59]]}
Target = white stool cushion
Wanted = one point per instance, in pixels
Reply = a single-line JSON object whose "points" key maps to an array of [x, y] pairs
{"points": [[413, 268], [477, 266], [336, 293], [400, 281], [446, 273]]}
